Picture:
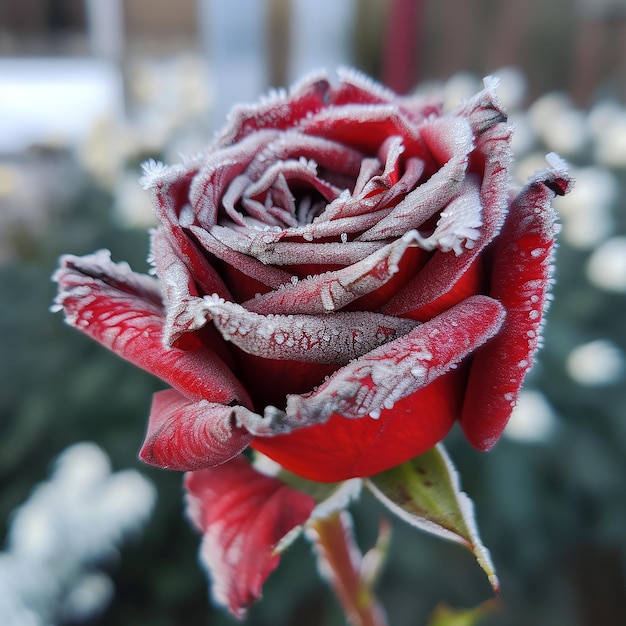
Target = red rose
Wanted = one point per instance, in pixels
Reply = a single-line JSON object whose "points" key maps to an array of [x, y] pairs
{"points": [[341, 275]]}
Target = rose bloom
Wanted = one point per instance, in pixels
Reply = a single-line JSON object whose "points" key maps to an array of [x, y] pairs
{"points": [[341, 276]]}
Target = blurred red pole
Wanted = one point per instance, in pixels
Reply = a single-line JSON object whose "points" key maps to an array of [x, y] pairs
{"points": [[401, 45]]}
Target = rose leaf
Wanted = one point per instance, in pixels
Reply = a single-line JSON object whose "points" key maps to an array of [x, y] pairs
{"points": [[425, 493]]}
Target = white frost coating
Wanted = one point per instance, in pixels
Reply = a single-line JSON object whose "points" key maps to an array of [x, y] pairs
{"points": [[491, 83], [556, 162], [99, 267], [333, 291], [152, 173], [339, 500], [466, 508], [308, 338], [352, 76], [459, 224]]}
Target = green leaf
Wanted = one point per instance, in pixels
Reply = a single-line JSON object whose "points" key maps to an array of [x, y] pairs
{"points": [[425, 493], [445, 616]]}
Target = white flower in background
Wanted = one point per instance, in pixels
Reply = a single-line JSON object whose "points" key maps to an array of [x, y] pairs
{"points": [[607, 124], [587, 212], [606, 267], [596, 363], [533, 419], [561, 127], [70, 525]]}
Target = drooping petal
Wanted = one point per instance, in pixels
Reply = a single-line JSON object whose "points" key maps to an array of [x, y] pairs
{"points": [[117, 308], [520, 281], [243, 516], [188, 436]]}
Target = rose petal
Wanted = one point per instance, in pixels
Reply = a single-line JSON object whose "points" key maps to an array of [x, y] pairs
{"points": [[376, 381], [333, 291], [432, 196], [345, 125], [520, 281], [179, 283], [117, 308], [332, 339], [186, 436], [279, 111], [269, 252], [439, 277], [272, 277], [291, 144], [243, 516], [346, 448], [218, 172]]}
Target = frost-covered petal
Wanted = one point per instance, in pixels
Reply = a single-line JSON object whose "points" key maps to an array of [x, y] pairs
{"points": [[345, 448], [280, 111], [187, 436], [345, 124], [332, 291], [243, 516], [520, 281], [118, 308], [324, 339], [376, 381], [451, 141], [269, 252], [438, 279], [218, 172], [180, 282], [272, 277]]}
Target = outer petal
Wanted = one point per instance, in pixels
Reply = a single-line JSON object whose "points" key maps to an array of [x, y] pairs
{"points": [[347, 448], [520, 281], [120, 309], [243, 516], [399, 390], [187, 436]]}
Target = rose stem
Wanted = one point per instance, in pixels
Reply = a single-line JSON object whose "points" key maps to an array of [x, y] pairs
{"points": [[340, 563]]}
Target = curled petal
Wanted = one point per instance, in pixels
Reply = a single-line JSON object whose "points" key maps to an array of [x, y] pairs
{"points": [[272, 277], [333, 291], [269, 252], [186, 436], [520, 281], [179, 282], [243, 516], [438, 279], [117, 308], [335, 339], [218, 172], [427, 199]]}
